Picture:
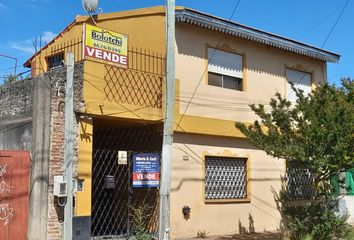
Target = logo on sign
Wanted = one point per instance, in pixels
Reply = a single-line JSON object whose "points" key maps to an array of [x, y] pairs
{"points": [[105, 46], [146, 170]]}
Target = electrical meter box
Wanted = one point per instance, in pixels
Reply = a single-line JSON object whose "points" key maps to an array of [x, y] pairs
{"points": [[60, 187]]}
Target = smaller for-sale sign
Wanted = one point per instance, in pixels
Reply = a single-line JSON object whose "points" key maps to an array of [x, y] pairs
{"points": [[146, 170]]}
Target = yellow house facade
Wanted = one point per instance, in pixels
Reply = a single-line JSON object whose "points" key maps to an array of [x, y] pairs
{"points": [[220, 183]]}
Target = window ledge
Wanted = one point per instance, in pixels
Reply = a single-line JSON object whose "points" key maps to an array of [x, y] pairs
{"points": [[243, 200]]}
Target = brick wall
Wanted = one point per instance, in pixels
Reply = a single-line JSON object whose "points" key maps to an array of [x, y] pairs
{"points": [[56, 161]]}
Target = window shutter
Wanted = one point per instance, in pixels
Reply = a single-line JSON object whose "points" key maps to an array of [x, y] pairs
{"points": [[302, 81], [225, 63]]}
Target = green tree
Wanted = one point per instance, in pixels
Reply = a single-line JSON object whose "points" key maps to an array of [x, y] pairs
{"points": [[10, 79], [317, 131]]}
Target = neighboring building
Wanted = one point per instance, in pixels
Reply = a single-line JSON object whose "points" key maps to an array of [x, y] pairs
{"points": [[221, 68], [346, 193]]}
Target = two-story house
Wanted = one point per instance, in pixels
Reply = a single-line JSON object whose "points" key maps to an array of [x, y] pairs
{"points": [[220, 183]]}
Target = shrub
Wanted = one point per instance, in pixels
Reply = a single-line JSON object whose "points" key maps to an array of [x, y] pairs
{"points": [[314, 217], [140, 219]]}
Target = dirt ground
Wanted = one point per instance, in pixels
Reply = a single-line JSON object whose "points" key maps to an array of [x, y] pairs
{"points": [[250, 236]]}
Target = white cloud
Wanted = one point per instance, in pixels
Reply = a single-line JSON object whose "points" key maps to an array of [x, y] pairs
{"points": [[13, 4], [23, 46], [47, 36], [27, 46]]}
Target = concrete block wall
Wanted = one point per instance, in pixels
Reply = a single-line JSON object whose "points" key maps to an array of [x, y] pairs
{"points": [[16, 115], [32, 114], [16, 101]]}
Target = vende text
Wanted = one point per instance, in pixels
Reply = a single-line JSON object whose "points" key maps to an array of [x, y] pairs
{"points": [[106, 56], [146, 176]]}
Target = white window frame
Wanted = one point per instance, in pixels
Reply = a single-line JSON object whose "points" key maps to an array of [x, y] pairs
{"points": [[225, 64], [302, 80]]}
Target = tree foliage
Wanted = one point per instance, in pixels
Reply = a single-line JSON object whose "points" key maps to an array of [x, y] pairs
{"points": [[10, 79], [317, 130]]}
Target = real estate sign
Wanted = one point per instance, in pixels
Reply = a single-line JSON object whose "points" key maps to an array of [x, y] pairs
{"points": [[146, 170], [105, 46]]}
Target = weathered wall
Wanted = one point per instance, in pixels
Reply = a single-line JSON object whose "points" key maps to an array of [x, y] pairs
{"points": [[15, 115], [32, 117], [16, 136], [258, 212], [39, 164], [56, 144], [16, 101]]}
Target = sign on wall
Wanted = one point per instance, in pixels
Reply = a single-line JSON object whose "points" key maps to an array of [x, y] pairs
{"points": [[105, 46], [146, 170]]}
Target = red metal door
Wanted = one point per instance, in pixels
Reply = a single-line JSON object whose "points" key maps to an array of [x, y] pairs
{"points": [[14, 177]]}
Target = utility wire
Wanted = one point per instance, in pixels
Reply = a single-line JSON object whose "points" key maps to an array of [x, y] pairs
{"points": [[325, 41], [320, 21], [9, 68], [297, 82], [205, 70], [17, 75], [335, 24]]}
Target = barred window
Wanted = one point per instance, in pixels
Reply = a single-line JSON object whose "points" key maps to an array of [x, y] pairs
{"points": [[299, 180], [55, 61], [225, 178]]}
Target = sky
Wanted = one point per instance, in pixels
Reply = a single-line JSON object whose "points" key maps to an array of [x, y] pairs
{"points": [[308, 21]]}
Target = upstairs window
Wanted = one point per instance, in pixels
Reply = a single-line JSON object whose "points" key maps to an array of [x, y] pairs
{"points": [[301, 80], [55, 61], [225, 69]]}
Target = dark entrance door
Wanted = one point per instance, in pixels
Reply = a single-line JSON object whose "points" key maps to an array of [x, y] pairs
{"points": [[113, 200]]}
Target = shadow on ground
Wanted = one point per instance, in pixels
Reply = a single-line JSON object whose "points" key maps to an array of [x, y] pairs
{"points": [[249, 236]]}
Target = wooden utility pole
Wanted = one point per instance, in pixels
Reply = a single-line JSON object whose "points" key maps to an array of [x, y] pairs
{"points": [[69, 146], [165, 183]]}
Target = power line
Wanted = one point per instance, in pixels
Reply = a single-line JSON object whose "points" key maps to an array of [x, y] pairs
{"points": [[320, 21], [326, 39], [10, 68], [335, 24], [205, 70], [17, 75]]}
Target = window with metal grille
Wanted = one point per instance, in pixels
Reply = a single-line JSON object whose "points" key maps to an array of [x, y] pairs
{"points": [[299, 181], [55, 61], [225, 69], [225, 178]]}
